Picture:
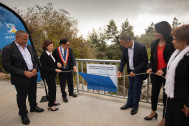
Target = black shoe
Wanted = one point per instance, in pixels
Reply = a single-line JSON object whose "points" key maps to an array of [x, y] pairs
{"points": [[36, 109], [25, 120], [125, 107], [74, 95], [65, 99], [146, 118], [56, 109], [134, 111], [56, 104]]}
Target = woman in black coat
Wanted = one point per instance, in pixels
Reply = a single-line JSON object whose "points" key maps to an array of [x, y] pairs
{"points": [[177, 80], [49, 71], [161, 50]]}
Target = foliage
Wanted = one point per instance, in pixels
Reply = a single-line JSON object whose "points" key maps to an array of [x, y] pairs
{"points": [[98, 39], [148, 37], [45, 22], [82, 48], [111, 31], [175, 23], [109, 34], [126, 28]]}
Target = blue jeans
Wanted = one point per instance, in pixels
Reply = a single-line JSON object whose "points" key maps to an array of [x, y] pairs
{"points": [[134, 91]]}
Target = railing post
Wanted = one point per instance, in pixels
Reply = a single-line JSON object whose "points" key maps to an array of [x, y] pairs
{"points": [[98, 90], [117, 79], [104, 91], [86, 72], [148, 84], [124, 82], [77, 77], [82, 78]]}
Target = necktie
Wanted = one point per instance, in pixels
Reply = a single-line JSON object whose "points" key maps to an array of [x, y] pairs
{"points": [[64, 54]]}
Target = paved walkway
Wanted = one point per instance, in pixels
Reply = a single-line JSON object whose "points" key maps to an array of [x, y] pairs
{"points": [[86, 110]]}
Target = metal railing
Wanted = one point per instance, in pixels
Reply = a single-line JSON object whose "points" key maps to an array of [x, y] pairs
{"points": [[80, 64]]}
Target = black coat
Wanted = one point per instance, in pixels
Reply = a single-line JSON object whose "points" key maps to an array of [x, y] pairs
{"points": [[140, 59], [168, 50], [48, 66], [181, 89], [14, 63], [71, 59]]}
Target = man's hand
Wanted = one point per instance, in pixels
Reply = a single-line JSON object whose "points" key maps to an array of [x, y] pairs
{"points": [[159, 73], [119, 74], [149, 71], [75, 69], [28, 74], [34, 71], [132, 74], [59, 65], [185, 109]]}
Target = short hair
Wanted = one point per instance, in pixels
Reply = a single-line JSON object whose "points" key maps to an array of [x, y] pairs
{"points": [[125, 37], [46, 43], [19, 32], [181, 33], [164, 28], [64, 40]]}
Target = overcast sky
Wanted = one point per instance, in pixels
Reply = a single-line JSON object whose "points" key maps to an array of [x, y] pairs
{"points": [[97, 13]]}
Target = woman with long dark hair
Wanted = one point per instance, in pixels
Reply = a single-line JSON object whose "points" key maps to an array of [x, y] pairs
{"points": [[161, 50]]}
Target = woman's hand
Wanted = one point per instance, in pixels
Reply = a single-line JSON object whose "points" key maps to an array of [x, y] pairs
{"points": [[149, 71], [59, 65], [159, 73], [57, 71]]}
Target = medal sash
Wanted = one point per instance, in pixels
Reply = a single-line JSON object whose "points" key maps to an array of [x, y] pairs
{"points": [[61, 55]]}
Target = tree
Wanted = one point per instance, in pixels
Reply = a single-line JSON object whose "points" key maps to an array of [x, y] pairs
{"points": [[111, 31], [175, 23], [45, 22], [148, 37], [114, 52], [126, 28], [150, 29], [98, 39]]}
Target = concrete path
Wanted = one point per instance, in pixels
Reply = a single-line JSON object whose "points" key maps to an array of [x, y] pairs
{"points": [[86, 110]]}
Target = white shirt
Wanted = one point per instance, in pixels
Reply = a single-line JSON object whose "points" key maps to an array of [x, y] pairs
{"points": [[130, 55], [50, 53], [26, 55]]}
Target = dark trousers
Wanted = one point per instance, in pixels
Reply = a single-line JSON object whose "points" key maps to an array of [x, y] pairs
{"points": [[174, 115], [23, 91], [134, 91], [51, 90], [62, 78], [156, 86]]}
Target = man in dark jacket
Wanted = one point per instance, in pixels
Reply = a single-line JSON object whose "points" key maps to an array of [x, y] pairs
{"points": [[64, 55], [19, 59], [135, 56]]}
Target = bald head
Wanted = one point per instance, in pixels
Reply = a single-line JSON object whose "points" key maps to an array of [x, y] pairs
{"points": [[21, 37], [20, 32]]}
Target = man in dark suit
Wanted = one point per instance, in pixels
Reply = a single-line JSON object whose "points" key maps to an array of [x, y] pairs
{"points": [[135, 56], [19, 59], [64, 55]]}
